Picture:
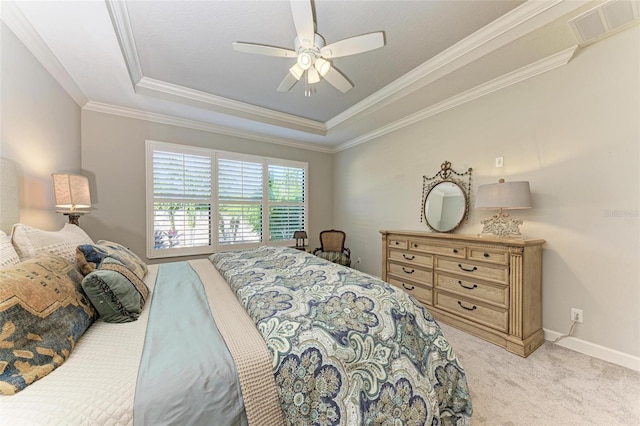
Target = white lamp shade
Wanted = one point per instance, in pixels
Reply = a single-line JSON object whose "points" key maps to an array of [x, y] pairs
{"points": [[322, 66], [71, 191], [504, 195]]}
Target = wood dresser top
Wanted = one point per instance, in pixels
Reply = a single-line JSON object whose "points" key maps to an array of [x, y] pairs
{"points": [[467, 237]]}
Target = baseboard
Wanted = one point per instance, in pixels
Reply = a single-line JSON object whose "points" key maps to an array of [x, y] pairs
{"points": [[596, 351]]}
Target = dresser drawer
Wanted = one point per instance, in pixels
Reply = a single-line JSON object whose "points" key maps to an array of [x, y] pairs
{"points": [[493, 273], [420, 292], [411, 273], [491, 255], [474, 290], [411, 258], [491, 317], [397, 242], [451, 250]]}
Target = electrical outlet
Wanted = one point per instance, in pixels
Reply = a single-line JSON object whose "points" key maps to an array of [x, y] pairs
{"points": [[499, 161], [358, 260], [576, 315]]}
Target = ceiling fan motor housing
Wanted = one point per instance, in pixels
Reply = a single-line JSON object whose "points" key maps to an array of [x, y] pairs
{"points": [[307, 55]]}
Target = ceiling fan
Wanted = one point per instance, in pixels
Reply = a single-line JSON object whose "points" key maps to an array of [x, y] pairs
{"points": [[312, 56]]}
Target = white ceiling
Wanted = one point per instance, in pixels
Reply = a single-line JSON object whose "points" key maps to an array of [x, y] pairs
{"points": [[172, 61]]}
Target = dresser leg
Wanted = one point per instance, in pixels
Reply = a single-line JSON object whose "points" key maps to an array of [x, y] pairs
{"points": [[526, 346]]}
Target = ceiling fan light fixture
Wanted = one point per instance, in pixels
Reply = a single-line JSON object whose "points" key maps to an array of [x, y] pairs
{"points": [[305, 60], [312, 76], [323, 66], [296, 71]]}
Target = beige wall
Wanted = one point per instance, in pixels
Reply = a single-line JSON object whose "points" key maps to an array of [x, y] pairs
{"points": [[574, 134], [113, 157], [39, 135]]}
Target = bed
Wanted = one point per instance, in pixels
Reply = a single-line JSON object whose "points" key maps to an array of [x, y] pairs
{"points": [[263, 336]]}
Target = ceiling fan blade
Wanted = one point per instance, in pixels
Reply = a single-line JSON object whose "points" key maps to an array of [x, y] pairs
{"points": [[261, 49], [303, 21], [338, 80], [287, 83], [353, 45]]}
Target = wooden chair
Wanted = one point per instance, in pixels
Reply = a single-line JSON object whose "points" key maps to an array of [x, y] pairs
{"points": [[332, 247]]}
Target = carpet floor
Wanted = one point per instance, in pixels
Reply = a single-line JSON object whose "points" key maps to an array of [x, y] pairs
{"points": [[553, 386]]}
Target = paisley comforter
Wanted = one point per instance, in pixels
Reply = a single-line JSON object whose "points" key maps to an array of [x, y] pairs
{"points": [[348, 348]]}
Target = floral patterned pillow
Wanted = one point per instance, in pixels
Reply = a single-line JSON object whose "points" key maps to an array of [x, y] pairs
{"points": [[89, 257]]}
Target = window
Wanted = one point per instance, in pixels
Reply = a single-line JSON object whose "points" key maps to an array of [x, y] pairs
{"points": [[181, 201], [201, 201], [286, 201], [239, 201]]}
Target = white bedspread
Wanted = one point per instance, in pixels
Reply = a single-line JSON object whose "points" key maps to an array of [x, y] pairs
{"points": [[89, 388]]}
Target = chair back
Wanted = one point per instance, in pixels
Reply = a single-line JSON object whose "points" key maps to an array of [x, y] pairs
{"points": [[332, 240]]}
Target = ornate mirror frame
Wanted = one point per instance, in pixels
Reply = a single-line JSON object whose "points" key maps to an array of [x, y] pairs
{"points": [[446, 174]]}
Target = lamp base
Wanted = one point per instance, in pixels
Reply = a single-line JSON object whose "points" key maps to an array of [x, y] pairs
{"points": [[73, 217], [501, 225]]}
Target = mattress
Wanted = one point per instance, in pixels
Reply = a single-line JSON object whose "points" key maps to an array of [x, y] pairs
{"points": [[89, 388]]}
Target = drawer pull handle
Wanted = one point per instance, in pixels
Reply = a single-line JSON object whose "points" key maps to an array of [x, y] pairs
{"points": [[408, 257], [455, 250], [468, 288], [486, 255], [475, 268], [415, 245], [396, 243], [468, 309], [407, 287], [408, 272]]}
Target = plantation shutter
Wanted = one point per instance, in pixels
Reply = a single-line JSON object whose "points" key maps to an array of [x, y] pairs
{"points": [[200, 201], [182, 201], [287, 208], [240, 197]]}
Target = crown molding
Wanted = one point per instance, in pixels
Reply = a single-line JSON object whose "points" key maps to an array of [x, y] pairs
{"points": [[476, 45], [119, 15], [22, 28], [163, 89], [551, 62], [199, 125], [185, 95]]}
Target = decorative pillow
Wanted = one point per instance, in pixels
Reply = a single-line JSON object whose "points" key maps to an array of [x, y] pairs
{"points": [[8, 255], [89, 257], [43, 313], [115, 291], [29, 241], [335, 257]]}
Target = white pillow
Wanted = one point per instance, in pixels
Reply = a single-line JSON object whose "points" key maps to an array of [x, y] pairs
{"points": [[29, 241], [8, 255]]}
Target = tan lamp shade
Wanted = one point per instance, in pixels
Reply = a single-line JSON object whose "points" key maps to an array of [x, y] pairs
{"points": [[300, 234], [504, 195], [71, 192]]}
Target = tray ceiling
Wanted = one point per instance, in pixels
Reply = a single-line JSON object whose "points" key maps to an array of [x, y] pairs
{"points": [[172, 61]]}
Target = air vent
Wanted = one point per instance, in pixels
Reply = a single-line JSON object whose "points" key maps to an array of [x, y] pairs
{"points": [[604, 20]]}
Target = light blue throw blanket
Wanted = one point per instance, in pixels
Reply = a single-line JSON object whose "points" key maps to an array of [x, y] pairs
{"points": [[186, 375]]}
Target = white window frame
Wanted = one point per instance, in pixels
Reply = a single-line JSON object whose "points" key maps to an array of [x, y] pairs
{"points": [[151, 146]]}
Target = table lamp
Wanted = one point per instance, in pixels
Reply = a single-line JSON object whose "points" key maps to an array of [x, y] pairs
{"points": [[503, 196]]}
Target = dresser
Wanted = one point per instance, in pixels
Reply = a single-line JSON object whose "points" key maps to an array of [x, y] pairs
{"points": [[489, 287]]}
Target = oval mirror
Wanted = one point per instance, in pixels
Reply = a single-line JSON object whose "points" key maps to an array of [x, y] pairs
{"points": [[445, 206]]}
